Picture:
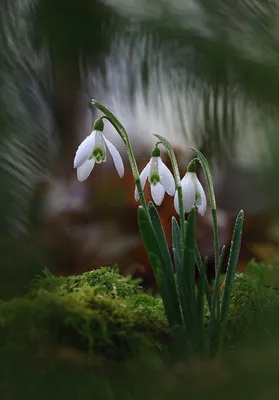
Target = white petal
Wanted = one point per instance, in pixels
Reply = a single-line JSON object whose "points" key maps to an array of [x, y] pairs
{"points": [[85, 169], [84, 150], [158, 193], [176, 202], [116, 157], [202, 202], [188, 192], [166, 178], [143, 176]]}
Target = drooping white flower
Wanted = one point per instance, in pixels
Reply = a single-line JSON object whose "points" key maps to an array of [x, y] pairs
{"points": [[159, 177], [193, 194], [93, 150]]}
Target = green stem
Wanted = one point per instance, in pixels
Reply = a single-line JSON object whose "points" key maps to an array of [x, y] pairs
{"points": [[122, 132], [181, 211], [141, 194], [177, 179], [216, 239], [212, 201]]}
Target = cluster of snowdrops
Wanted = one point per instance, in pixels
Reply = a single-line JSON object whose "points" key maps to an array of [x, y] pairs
{"points": [[196, 312]]}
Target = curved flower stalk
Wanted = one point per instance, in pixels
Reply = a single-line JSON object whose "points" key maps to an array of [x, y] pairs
{"points": [[124, 136], [93, 150], [192, 192], [159, 177], [175, 168]]}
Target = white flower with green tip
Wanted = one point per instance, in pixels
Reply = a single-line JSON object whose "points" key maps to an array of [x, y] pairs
{"points": [[192, 192], [160, 178], [93, 150]]}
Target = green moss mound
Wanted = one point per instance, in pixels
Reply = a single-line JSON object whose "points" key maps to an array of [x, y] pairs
{"points": [[99, 312], [98, 335], [254, 311]]}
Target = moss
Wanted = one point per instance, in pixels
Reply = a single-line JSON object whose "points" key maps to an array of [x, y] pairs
{"points": [[99, 312], [254, 309], [104, 280], [102, 313], [65, 337]]}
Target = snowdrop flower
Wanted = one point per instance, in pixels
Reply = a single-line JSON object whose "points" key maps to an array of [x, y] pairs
{"points": [[93, 150], [159, 177], [192, 192]]}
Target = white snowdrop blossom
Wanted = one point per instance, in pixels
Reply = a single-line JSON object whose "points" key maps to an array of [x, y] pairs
{"points": [[193, 194], [93, 150], [160, 179]]}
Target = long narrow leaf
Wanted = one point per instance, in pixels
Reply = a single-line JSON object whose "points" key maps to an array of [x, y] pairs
{"points": [[161, 240], [200, 307], [232, 263], [176, 242], [166, 287], [215, 311], [166, 262], [201, 265], [177, 250], [186, 278], [148, 236], [215, 321], [189, 255]]}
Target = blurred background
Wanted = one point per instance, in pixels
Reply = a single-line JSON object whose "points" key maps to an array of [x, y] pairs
{"points": [[202, 73]]}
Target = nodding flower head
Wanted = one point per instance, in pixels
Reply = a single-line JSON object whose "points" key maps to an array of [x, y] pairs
{"points": [[192, 192], [159, 177], [93, 150]]}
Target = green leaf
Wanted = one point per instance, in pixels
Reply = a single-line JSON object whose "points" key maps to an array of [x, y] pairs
{"points": [[200, 306], [166, 262], [186, 277], [189, 253], [215, 322], [162, 269], [200, 265], [177, 247], [232, 263], [216, 290], [147, 234], [161, 240], [231, 269], [178, 255]]}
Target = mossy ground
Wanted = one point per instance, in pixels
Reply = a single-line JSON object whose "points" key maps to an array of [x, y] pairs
{"points": [[99, 312], [99, 336]]}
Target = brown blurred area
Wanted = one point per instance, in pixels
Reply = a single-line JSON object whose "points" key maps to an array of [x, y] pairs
{"points": [[207, 79], [94, 223]]}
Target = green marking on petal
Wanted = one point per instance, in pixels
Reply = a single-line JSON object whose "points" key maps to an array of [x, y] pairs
{"points": [[154, 179], [198, 198], [99, 155]]}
